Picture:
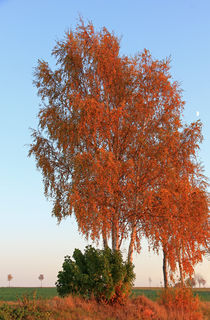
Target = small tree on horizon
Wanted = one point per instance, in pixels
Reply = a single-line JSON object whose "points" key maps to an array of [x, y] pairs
{"points": [[190, 282], [41, 278], [9, 278], [150, 281], [200, 280]]}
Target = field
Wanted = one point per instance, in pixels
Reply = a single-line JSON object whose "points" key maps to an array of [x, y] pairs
{"points": [[13, 293], [153, 293]]}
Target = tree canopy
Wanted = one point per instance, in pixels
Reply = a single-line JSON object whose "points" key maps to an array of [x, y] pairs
{"points": [[112, 147]]}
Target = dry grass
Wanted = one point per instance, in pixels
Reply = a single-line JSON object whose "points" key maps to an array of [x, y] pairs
{"points": [[77, 309], [205, 307], [141, 308], [138, 308]]}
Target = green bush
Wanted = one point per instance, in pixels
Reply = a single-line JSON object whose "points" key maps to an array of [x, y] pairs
{"points": [[99, 273]]}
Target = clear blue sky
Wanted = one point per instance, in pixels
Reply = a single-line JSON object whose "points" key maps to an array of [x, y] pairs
{"points": [[30, 240]]}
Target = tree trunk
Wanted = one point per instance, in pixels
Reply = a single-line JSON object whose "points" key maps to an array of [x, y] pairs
{"points": [[105, 242], [165, 273], [115, 235], [131, 245], [133, 232], [180, 267]]}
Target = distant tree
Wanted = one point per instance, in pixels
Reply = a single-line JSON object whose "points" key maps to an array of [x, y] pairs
{"points": [[41, 278], [150, 281], [201, 281], [190, 282], [9, 278]]}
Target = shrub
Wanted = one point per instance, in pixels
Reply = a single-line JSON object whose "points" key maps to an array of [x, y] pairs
{"points": [[26, 309], [182, 302], [99, 273]]}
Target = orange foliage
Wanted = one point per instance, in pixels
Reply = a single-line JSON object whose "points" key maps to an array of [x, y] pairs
{"points": [[182, 301], [112, 147]]}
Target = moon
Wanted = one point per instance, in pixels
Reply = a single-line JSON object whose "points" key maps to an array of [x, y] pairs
{"points": [[197, 113]]}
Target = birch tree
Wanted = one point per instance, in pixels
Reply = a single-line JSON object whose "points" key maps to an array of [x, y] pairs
{"points": [[105, 125]]}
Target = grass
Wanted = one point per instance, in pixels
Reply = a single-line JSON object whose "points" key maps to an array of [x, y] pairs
{"points": [[153, 293], [13, 293]]}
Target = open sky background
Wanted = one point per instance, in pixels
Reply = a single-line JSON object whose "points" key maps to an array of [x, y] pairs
{"points": [[31, 242]]}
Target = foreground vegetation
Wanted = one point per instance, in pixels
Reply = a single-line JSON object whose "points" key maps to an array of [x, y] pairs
{"points": [[169, 306]]}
